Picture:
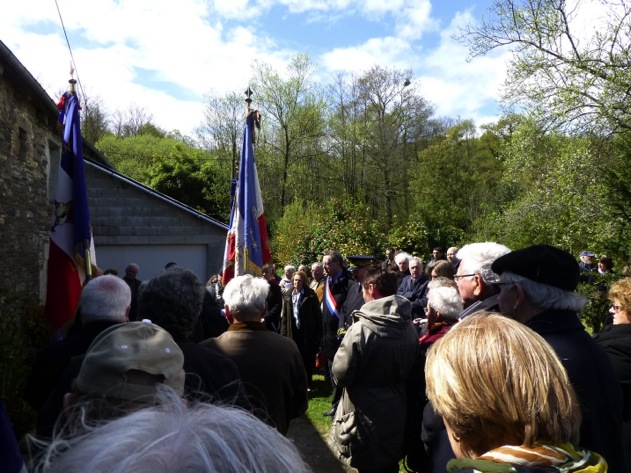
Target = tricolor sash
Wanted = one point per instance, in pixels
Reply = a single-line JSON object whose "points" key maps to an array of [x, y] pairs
{"points": [[330, 300]]}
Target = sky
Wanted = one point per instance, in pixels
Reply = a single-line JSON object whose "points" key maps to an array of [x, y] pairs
{"points": [[164, 56]]}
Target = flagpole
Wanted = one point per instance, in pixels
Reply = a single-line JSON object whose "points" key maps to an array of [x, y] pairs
{"points": [[86, 243]]}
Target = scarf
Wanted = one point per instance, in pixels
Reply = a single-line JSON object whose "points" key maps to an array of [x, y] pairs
{"points": [[542, 458], [295, 301]]}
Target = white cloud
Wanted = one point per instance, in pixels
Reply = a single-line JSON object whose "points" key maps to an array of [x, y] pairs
{"points": [[198, 46]]}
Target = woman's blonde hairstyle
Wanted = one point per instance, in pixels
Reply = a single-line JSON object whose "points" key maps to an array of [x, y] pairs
{"points": [[621, 290], [496, 382]]}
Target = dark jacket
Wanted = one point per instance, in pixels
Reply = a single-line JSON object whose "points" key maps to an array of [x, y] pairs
{"points": [[616, 341], [309, 335], [415, 291], [354, 301], [53, 359], [330, 322], [593, 377], [274, 307], [209, 372]]}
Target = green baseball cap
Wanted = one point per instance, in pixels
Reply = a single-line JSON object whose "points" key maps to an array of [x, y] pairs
{"points": [[117, 358]]}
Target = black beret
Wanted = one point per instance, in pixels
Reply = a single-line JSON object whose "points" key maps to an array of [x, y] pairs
{"points": [[361, 260], [544, 264]]}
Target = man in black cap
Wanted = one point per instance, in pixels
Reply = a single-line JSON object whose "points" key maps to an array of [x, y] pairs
{"points": [[538, 286]]}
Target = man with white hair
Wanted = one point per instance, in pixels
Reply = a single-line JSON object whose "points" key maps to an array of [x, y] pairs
{"points": [[414, 287], [270, 365], [477, 283], [402, 260], [285, 282], [105, 301]]}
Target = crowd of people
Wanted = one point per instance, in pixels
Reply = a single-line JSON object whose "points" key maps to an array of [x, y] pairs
{"points": [[473, 361]]}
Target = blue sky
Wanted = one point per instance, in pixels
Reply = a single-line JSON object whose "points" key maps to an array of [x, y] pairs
{"points": [[164, 56]]}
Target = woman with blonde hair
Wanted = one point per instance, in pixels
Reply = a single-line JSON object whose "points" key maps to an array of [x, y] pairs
{"points": [[506, 400], [615, 339]]}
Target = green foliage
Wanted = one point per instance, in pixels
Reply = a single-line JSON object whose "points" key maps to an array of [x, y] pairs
{"points": [[307, 230], [173, 167], [453, 180], [548, 193], [596, 311], [22, 330], [412, 238]]}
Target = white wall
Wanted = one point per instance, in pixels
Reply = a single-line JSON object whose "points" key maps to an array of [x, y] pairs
{"points": [[152, 258]]}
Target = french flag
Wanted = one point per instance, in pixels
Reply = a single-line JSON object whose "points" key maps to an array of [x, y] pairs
{"points": [[247, 248], [70, 234]]}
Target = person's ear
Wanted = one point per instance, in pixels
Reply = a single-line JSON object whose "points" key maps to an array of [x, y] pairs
{"points": [[479, 285], [228, 314]]}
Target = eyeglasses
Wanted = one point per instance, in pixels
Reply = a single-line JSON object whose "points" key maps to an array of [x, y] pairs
{"points": [[616, 307], [457, 277]]}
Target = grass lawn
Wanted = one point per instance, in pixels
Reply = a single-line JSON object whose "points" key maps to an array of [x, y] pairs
{"points": [[319, 403]]}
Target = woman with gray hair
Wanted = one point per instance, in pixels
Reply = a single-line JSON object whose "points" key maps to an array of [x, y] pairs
{"points": [[425, 426]]}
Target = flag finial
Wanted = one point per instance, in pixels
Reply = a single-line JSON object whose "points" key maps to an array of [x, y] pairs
{"points": [[248, 100], [73, 86]]}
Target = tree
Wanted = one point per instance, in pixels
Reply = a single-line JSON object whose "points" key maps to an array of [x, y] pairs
{"points": [[452, 183], [94, 119], [378, 124], [293, 122], [566, 74], [131, 121], [549, 193], [222, 128]]}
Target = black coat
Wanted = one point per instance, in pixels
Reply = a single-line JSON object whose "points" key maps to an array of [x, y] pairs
{"points": [[274, 307], [309, 335], [53, 359], [415, 291], [330, 323], [593, 377], [616, 341]]}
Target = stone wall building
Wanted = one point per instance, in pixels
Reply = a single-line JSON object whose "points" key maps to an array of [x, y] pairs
{"points": [[131, 222]]}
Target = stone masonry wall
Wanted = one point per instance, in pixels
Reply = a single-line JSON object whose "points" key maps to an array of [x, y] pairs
{"points": [[26, 134]]}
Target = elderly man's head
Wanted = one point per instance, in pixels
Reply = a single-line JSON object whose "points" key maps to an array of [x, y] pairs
{"points": [[245, 297], [131, 271], [317, 271], [403, 261], [475, 277], [538, 278], [289, 271], [416, 267], [172, 299], [105, 298]]}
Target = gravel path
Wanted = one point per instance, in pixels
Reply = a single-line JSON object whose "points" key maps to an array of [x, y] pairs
{"points": [[313, 448]]}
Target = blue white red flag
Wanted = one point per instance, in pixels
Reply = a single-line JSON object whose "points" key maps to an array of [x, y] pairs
{"points": [[247, 248], [70, 234]]}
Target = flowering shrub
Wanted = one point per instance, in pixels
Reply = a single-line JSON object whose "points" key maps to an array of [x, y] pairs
{"points": [[307, 230]]}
